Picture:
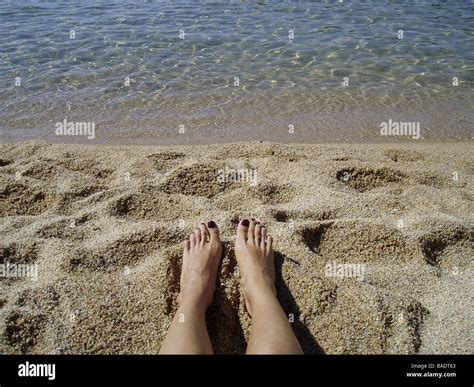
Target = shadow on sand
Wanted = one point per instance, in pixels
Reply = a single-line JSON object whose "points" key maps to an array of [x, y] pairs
{"points": [[307, 340]]}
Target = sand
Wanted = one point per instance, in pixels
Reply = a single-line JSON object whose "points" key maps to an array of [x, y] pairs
{"points": [[104, 227]]}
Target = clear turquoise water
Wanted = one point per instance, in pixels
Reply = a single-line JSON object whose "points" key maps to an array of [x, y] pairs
{"points": [[190, 81]]}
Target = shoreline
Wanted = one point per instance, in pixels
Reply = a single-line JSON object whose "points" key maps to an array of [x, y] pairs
{"points": [[144, 142]]}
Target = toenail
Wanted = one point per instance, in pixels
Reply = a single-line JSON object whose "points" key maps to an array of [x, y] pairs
{"points": [[253, 219], [258, 223], [245, 222], [211, 224]]}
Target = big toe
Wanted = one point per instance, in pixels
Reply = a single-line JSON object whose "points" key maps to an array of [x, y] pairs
{"points": [[243, 229], [213, 231]]}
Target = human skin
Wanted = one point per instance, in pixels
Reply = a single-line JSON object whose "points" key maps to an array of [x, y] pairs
{"points": [[271, 332]]}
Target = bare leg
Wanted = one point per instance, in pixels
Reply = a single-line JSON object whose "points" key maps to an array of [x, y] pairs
{"points": [[201, 257], [271, 332]]}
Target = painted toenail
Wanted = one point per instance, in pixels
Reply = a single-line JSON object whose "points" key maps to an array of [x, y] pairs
{"points": [[245, 222], [253, 219], [211, 224]]}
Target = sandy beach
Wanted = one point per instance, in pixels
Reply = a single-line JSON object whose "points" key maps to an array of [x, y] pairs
{"points": [[374, 243]]}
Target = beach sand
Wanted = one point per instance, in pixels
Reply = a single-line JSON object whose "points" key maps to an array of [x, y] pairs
{"points": [[104, 226]]}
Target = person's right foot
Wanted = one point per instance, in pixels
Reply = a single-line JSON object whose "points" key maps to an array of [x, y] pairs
{"points": [[254, 254]]}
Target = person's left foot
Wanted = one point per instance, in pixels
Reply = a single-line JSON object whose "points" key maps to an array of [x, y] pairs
{"points": [[201, 257]]}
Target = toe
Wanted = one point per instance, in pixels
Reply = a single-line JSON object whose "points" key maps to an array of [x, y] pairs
{"points": [[197, 236], [213, 231], [192, 240], [269, 246], [243, 229], [204, 233], [186, 245], [256, 233], [263, 236], [251, 233]]}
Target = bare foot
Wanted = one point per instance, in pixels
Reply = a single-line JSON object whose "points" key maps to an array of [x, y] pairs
{"points": [[254, 254], [201, 257]]}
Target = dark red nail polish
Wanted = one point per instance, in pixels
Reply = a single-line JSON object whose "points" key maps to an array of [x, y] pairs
{"points": [[245, 222], [258, 223], [211, 224], [253, 219]]}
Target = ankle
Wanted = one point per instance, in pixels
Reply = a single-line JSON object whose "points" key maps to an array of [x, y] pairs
{"points": [[195, 298], [258, 284], [192, 305], [259, 295]]}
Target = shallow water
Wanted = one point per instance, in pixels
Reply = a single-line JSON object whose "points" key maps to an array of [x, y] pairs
{"points": [[235, 70]]}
